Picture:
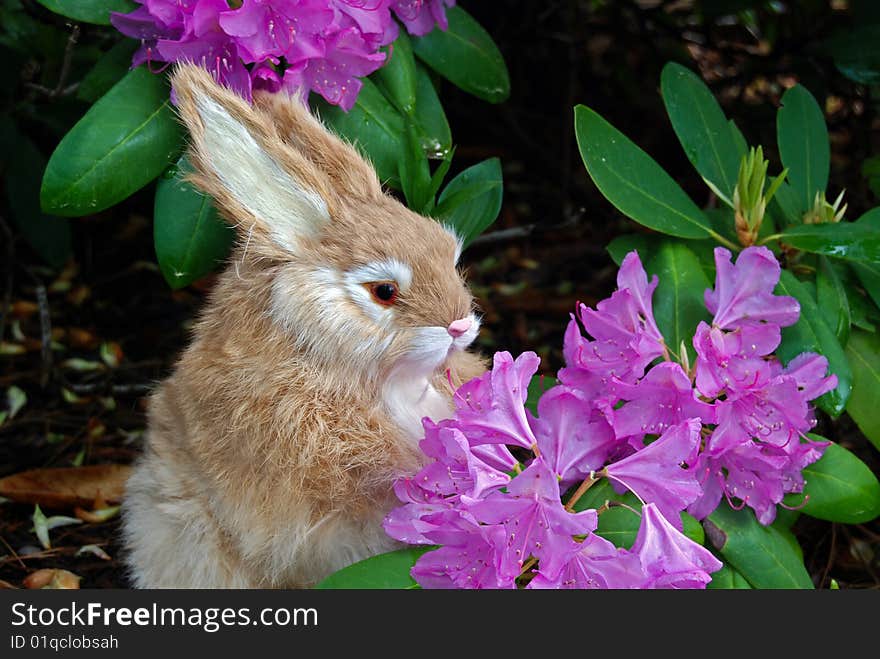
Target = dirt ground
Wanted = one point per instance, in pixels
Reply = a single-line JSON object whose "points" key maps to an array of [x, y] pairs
{"points": [[545, 252]]}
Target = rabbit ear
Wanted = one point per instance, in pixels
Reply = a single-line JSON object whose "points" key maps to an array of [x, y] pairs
{"points": [[259, 182], [349, 174]]}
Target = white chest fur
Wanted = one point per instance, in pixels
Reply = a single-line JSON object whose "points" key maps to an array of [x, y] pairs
{"points": [[409, 399]]}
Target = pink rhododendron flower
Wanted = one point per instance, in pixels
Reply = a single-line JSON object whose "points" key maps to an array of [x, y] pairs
{"points": [[733, 427], [744, 292], [663, 472], [669, 558], [535, 521], [491, 409], [573, 437], [420, 16], [325, 46]]}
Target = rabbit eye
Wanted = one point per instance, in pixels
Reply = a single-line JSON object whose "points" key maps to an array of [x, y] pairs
{"points": [[383, 292]]}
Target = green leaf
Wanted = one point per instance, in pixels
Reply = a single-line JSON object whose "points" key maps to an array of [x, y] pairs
{"points": [[373, 126], [430, 117], [633, 182], [869, 275], [620, 246], [89, 11], [871, 171], [107, 71], [803, 143], [123, 142], [701, 127], [838, 488], [679, 299], [538, 385], [845, 240], [766, 556], [385, 571], [832, 298], [414, 171], [189, 237], [791, 206], [397, 77], [620, 525], [49, 236], [727, 579], [472, 200], [853, 55], [812, 334], [863, 351], [467, 56]]}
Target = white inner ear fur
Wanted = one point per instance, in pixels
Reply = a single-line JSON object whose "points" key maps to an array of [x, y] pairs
{"points": [[289, 209], [459, 241]]}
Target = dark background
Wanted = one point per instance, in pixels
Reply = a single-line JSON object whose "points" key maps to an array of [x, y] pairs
{"points": [[545, 252]]}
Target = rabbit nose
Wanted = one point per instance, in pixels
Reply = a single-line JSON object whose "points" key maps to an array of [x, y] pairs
{"points": [[458, 327]]}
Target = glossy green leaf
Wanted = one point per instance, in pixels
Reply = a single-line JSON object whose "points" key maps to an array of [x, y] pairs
{"points": [[89, 11], [869, 275], [766, 556], [803, 143], [108, 70], [839, 487], [813, 334], [863, 351], [397, 77], [701, 127], [466, 55], [620, 525], [538, 385], [791, 207], [679, 304], [373, 126], [189, 237], [49, 236], [832, 298], [622, 245], [472, 200], [430, 117], [633, 182], [728, 579], [385, 571], [414, 170], [844, 240], [599, 494], [123, 142]]}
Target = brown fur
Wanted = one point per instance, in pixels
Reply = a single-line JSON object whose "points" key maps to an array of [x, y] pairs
{"points": [[269, 457]]}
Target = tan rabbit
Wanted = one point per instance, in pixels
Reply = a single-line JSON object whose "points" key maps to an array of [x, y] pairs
{"points": [[340, 322]]}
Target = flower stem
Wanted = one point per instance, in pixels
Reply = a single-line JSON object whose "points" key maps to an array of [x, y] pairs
{"points": [[724, 241], [589, 481]]}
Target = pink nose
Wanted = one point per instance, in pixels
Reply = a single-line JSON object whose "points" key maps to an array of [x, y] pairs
{"points": [[458, 327]]}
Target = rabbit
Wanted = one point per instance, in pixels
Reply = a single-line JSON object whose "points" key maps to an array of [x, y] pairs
{"points": [[340, 321]]}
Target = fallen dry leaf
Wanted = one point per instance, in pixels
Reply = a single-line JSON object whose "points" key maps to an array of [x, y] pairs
{"points": [[50, 578], [67, 487]]}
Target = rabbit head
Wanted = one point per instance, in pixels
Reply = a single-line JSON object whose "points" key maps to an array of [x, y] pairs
{"points": [[361, 285]]}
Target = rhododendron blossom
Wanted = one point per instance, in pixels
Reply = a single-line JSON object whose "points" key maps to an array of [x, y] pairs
{"points": [[502, 492], [298, 46]]}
